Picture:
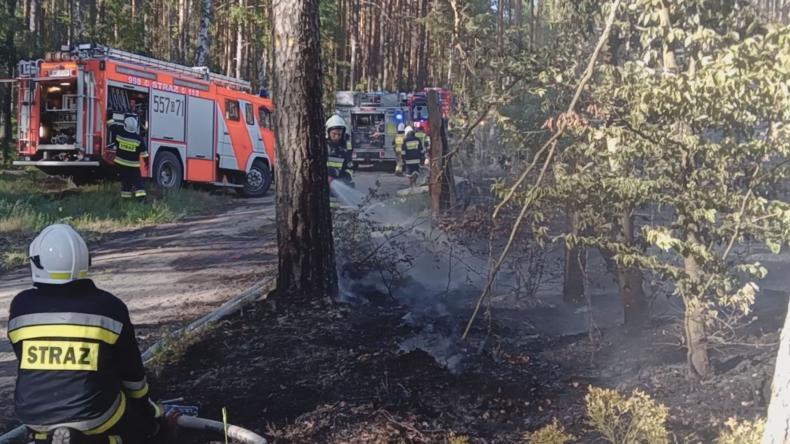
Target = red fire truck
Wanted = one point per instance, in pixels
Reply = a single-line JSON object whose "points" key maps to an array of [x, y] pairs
{"points": [[199, 126], [418, 106]]}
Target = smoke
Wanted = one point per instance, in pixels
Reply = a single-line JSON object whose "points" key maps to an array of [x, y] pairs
{"points": [[390, 250]]}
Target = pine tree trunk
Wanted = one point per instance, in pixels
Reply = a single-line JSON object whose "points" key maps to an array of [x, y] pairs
{"points": [[10, 61], [239, 41], [777, 427], [182, 30], [435, 148], [304, 222], [204, 42]]}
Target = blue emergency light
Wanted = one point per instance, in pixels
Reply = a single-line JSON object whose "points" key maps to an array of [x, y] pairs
{"points": [[399, 116]]}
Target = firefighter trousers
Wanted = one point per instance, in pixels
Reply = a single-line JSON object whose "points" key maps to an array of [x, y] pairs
{"points": [[131, 182], [134, 427]]}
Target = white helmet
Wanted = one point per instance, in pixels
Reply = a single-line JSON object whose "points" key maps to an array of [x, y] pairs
{"points": [[401, 127], [58, 255], [336, 122], [408, 130], [130, 124]]}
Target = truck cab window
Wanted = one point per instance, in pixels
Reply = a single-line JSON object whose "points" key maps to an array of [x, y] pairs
{"points": [[264, 118], [248, 114], [232, 110]]}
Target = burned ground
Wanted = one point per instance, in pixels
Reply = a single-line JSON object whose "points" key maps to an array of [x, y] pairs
{"points": [[387, 368]]}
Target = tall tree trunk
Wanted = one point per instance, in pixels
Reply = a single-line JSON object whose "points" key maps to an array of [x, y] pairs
{"points": [[695, 317], [304, 222], [777, 427], [629, 281], [10, 54], [434, 184], [182, 30], [575, 264], [204, 38], [239, 40], [33, 20]]}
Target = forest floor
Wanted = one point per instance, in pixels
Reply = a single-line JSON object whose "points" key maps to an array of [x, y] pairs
{"points": [[386, 362]]}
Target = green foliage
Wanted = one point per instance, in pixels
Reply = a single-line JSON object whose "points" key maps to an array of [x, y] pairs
{"points": [[742, 432], [637, 419], [553, 433]]}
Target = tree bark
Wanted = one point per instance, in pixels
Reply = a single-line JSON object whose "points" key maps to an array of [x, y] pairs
{"points": [[777, 427], [304, 222], [575, 263], [695, 317], [239, 41], [434, 184], [10, 61], [204, 39], [629, 281]]}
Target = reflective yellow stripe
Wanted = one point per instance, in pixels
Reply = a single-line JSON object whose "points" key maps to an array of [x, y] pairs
{"points": [[412, 161], [114, 439], [81, 274], [139, 193], [126, 194], [128, 163], [412, 145], [112, 421], [40, 436], [127, 144], [137, 394], [63, 331], [334, 164]]}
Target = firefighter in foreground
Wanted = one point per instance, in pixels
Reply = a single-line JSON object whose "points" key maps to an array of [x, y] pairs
{"points": [[80, 378], [339, 160], [413, 155], [130, 150]]}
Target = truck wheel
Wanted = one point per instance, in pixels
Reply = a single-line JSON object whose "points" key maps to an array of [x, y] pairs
{"points": [[168, 174], [258, 180]]}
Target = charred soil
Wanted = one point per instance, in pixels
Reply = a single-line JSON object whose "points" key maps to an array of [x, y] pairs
{"points": [[340, 374]]}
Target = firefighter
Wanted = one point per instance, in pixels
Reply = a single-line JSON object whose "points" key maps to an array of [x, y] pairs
{"points": [[80, 377], [398, 152], [413, 154], [130, 149], [339, 159], [424, 139]]}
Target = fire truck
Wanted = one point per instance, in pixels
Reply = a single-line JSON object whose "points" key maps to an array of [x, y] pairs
{"points": [[373, 119], [417, 104], [199, 126]]}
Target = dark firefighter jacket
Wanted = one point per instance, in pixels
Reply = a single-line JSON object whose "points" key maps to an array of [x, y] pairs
{"points": [[339, 157], [130, 148], [79, 365], [412, 150]]}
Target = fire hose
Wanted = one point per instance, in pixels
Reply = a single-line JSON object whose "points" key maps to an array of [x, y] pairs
{"points": [[236, 433]]}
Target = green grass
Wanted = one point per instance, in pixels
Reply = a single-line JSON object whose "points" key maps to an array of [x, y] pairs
{"points": [[30, 200]]}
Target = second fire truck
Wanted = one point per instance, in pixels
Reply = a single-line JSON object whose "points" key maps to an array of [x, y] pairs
{"points": [[200, 127]]}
